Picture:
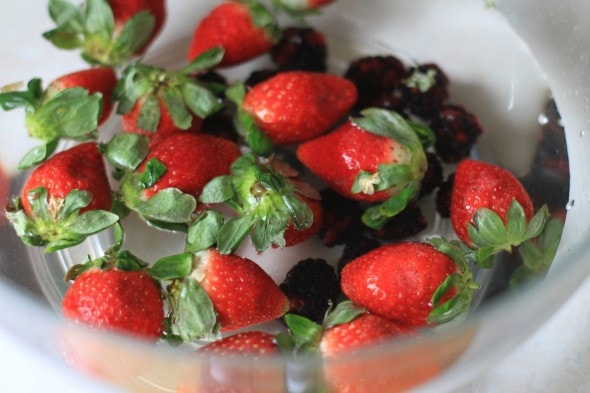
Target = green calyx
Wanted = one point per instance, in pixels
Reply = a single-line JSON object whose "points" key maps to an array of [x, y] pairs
{"points": [[490, 235], [192, 315], [304, 336], [179, 92], [246, 125], [263, 18], [266, 199], [298, 10], [68, 114], [91, 28], [58, 224], [401, 179]]}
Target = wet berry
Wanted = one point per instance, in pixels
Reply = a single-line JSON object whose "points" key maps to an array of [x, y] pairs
{"points": [[456, 132], [425, 89], [376, 79], [433, 177], [300, 48], [407, 223], [311, 286], [443, 197], [341, 217]]}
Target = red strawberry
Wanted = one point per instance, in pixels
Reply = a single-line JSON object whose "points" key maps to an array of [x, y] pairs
{"points": [[273, 207], [491, 209], [211, 291], [65, 200], [125, 301], [96, 80], [108, 32], [244, 378], [374, 158], [154, 100], [296, 106], [399, 281], [244, 29], [173, 174]]}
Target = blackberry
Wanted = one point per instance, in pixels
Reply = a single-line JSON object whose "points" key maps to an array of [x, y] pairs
{"points": [[425, 89], [311, 285], [354, 248], [221, 124], [300, 48], [377, 79], [443, 197], [433, 177], [258, 76], [341, 217], [407, 223], [456, 132]]}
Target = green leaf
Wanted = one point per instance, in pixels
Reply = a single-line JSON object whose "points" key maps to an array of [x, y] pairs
{"points": [[537, 223], [174, 102], [99, 19], [218, 190], [135, 33], [449, 282], [134, 84], [516, 224], [126, 151], [256, 138], [63, 38], [66, 15], [154, 170], [206, 60], [377, 215], [344, 312], [232, 233], [306, 334], [172, 267], [269, 230], [37, 155], [93, 221], [202, 233], [487, 229], [200, 100], [73, 202], [37, 198], [169, 205], [425, 134], [300, 213], [126, 261], [149, 114], [192, 314], [389, 124]]}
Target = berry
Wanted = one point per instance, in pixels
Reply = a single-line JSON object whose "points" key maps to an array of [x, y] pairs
{"points": [[407, 223], [355, 247], [300, 48], [425, 89], [433, 177], [456, 132], [341, 217], [443, 197]]}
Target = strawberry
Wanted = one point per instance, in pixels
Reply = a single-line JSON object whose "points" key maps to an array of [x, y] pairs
{"points": [[412, 283], [490, 209], [245, 29], [272, 205], [64, 200], [82, 99], [115, 292], [108, 32], [302, 5], [154, 100], [252, 345], [292, 107], [375, 158], [166, 184], [210, 292]]}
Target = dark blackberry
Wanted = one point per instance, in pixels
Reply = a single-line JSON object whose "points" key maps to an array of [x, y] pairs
{"points": [[300, 48], [409, 222], [433, 177], [456, 132], [221, 124], [354, 248], [341, 217], [259, 76], [443, 197], [376, 79], [311, 285], [425, 89]]}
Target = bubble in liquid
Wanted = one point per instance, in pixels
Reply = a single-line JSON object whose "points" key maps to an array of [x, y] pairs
{"points": [[543, 119], [570, 204], [582, 133]]}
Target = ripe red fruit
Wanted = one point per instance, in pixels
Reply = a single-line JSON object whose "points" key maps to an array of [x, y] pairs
{"points": [[244, 30], [252, 343], [296, 106], [295, 236], [128, 302], [398, 281], [480, 185], [96, 80]]}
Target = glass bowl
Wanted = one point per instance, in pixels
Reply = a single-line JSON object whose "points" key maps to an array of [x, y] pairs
{"points": [[506, 61]]}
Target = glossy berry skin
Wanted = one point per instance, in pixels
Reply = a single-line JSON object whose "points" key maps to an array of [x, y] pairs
{"points": [[340, 155], [478, 184], [242, 293], [300, 48], [252, 343], [123, 10], [295, 236], [456, 132], [296, 106], [96, 80], [78, 168], [230, 25], [397, 281], [128, 302], [426, 103], [192, 160]]}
